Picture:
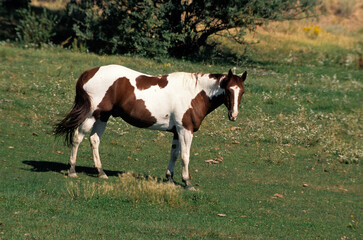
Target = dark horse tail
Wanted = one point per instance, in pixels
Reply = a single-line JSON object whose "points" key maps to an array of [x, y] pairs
{"points": [[79, 112]]}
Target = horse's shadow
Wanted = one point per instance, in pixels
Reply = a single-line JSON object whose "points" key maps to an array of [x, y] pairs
{"points": [[61, 168], [46, 166]]}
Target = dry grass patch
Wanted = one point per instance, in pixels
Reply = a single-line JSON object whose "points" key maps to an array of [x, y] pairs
{"points": [[129, 187]]}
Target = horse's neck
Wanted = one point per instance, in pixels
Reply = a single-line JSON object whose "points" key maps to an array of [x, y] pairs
{"points": [[210, 85], [213, 90]]}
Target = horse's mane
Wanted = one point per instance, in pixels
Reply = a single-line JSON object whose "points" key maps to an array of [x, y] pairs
{"points": [[187, 79], [193, 80]]}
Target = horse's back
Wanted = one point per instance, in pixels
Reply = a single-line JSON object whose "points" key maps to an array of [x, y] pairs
{"points": [[166, 97]]}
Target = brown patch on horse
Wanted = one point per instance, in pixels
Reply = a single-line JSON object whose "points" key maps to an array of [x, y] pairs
{"points": [[216, 76], [201, 105], [86, 75], [120, 101], [144, 82], [221, 79]]}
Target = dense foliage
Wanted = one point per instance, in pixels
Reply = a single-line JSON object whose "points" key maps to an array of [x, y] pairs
{"points": [[175, 27], [163, 27], [35, 29]]}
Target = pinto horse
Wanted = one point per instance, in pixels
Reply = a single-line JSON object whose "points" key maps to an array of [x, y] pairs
{"points": [[177, 102]]}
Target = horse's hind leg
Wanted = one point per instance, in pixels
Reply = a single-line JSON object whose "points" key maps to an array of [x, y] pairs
{"points": [[79, 134], [95, 138], [175, 150]]}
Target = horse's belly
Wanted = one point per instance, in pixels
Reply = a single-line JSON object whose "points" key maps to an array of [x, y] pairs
{"points": [[163, 122]]}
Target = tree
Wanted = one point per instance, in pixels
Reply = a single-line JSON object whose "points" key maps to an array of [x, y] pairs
{"points": [[176, 27], [195, 21]]}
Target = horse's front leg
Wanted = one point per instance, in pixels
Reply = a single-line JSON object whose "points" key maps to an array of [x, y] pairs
{"points": [[185, 138], [174, 153]]}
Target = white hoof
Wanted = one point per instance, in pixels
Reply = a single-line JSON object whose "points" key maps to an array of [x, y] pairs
{"points": [[190, 188], [72, 175], [103, 176]]}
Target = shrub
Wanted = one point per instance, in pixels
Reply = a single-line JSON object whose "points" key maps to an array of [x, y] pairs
{"points": [[119, 27], [35, 29]]}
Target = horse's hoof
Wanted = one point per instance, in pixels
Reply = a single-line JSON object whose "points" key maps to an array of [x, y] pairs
{"points": [[72, 175], [103, 176], [170, 181], [190, 188], [169, 178]]}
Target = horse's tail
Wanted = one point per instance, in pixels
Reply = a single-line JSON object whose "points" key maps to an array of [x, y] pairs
{"points": [[79, 113]]}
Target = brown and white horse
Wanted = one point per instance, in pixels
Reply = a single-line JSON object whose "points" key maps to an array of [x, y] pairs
{"points": [[177, 103]]}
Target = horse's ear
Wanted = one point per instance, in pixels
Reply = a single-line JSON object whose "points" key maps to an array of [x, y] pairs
{"points": [[244, 76], [230, 73], [226, 79]]}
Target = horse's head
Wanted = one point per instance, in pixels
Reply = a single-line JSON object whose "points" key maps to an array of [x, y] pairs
{"points": [[233, 90]]}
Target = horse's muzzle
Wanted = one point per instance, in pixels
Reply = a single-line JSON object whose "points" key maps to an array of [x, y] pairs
{"points": [[232, 117]]}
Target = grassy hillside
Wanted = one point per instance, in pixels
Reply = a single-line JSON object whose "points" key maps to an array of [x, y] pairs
{"points": [[291, 163]]}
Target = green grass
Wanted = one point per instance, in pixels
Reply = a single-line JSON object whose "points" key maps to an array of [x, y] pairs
{"points": [[298, 124]]}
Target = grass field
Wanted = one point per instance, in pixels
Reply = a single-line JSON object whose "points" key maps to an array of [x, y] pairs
{"points": [[291, 164]]}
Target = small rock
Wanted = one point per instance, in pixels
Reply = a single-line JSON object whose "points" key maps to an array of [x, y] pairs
{"points": [[219, 158], [277, 195], [160, 134], [305, 185], [212, 161], [221, 215]]}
